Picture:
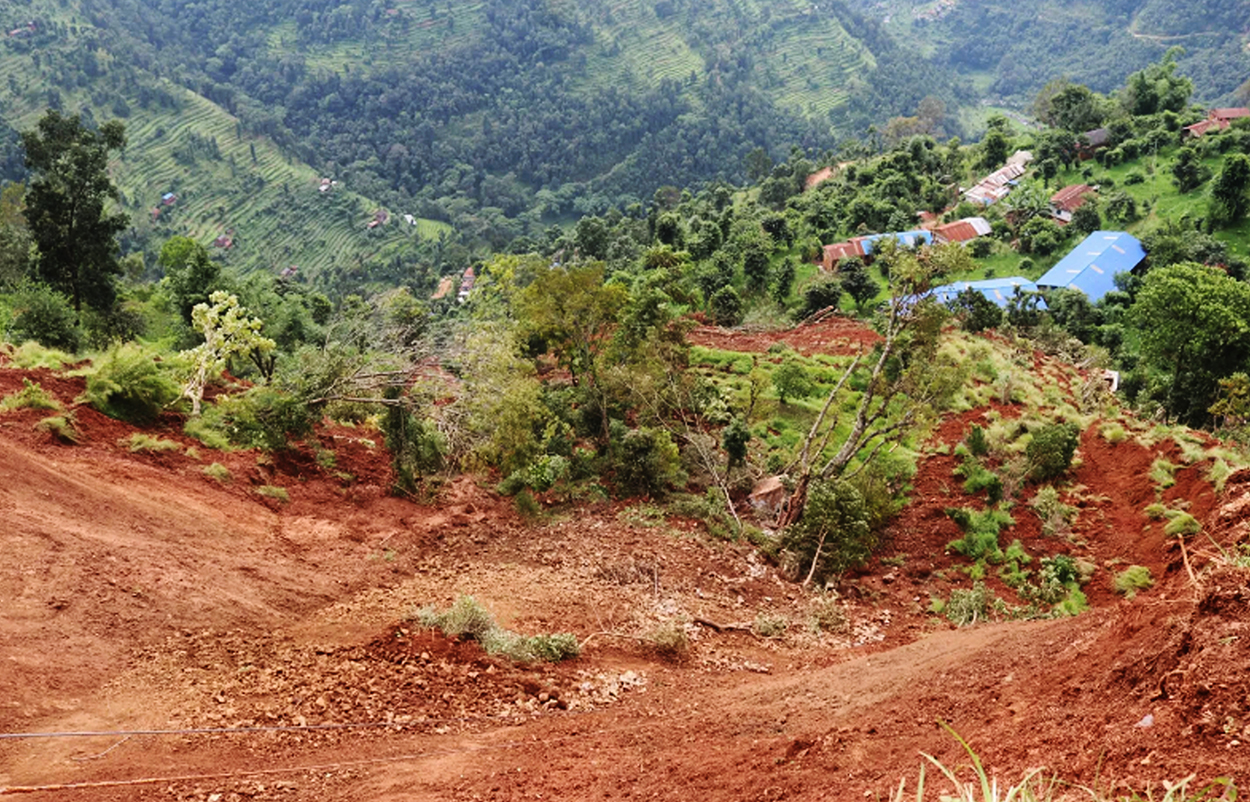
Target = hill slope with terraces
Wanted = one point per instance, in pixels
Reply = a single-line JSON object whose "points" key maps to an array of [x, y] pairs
{"points": [[147, 595]]}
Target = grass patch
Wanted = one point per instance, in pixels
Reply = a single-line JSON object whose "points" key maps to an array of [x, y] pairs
{"points": [[669, 639], [1056, 517], [275, 492], [768, 625], [31, 396], [1133, 579], [1181, 524], [467, 618], [981, 528], [1218, 474], [206, 433], [218, 471], [1163, 473], [146, 442], [1113, 433], [31, 355]]}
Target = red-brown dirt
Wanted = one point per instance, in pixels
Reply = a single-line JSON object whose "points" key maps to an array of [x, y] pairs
{"points": [[141, 594]]}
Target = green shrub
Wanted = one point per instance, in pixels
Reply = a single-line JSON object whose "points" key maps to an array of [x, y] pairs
{"points": [[203, 430], [217, 471], [981, 528], [526, 505], [833, 535], [1051, 449], [1114, 433], [31, 396], [645, 462], [146, 442], [670, 640], [467, 618], [978, 444], [262, 417], [1133, 579], [981, 478], [770, 626], [967, 607], [31, 355], [416, 446], [1056, 517], [59, 426], [274, 492], [44, 315], [1163, 473], [1156, 511], [539, 476], [826, 614], [790, 380], [1182, 524], [128, 384]]}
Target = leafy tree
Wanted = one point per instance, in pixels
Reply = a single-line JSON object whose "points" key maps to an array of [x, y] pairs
{"points": [[1073, 107], [190, 274], [856, 281], [975, 311], [755, 263], [44, 315], [833, 536], [1230, 192], [1051, 449], [1188, 171], [1194, 328], [819, 295], [1122, 208], [735, 439], [65, 207], [790, 380], [1158, 88], [227, 332], [1086, 219], [1232, 410], [726, 306], [996, 145], [783, 279], [15, 239], [573, 312]]}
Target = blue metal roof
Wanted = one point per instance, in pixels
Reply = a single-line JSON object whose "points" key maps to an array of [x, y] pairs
{"points": [[908, 239], [998, 290], [1092, 265]]}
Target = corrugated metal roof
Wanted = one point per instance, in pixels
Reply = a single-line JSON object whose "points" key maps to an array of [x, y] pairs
{"points": [[997, 185], [998, 290], [838, 251], [1069, 199], [963, 230], [908, 239], [1229, 114], [1092, 265]]}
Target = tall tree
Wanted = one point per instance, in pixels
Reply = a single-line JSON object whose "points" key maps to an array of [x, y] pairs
{"points": [[65, 207], [1229, 198]]}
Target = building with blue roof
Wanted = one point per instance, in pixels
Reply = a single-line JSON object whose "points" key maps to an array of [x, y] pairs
{"points": [[997, 290], [1092, 265], [908, 239]]}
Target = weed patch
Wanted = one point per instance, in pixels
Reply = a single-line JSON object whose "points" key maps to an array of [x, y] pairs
{"points": [[274, 492], [1133, 579], [145, 442], [59, 426], [31, 396], [467, 618], [217, 471], [981, 528]]}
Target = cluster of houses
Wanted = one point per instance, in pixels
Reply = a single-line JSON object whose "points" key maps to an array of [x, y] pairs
{"points": [[1218, 119], [467, 280]]}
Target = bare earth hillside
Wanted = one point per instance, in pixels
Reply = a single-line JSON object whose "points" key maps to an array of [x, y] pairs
{"points": [[140, 594]]}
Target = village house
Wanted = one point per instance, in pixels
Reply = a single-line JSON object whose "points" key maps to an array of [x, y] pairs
{"points": [[964, 230], [999, 184], [1217, 120], [1067, 200], [466, 285]]}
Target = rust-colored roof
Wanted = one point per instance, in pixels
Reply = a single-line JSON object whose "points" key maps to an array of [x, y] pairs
{"points": [[1228, 114], [963, 230], [838, 251], [1200, 128], [1069, 199]]}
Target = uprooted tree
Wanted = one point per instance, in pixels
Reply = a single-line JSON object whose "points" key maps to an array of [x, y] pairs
{"points": [[903, 379]]}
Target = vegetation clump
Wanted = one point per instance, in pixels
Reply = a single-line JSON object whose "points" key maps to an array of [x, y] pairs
{"points": [[467, 618], [31, 396], [128, 383], [1051, 450], [1133, 579]]}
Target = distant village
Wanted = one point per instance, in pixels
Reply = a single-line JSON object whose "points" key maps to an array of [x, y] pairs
{"points": [[1090, 267]]}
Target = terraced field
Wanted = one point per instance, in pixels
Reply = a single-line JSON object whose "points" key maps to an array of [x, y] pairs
{"points": [[226, 181]]}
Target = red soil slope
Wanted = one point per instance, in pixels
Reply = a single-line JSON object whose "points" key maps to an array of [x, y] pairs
{"points": [[140, 594]]}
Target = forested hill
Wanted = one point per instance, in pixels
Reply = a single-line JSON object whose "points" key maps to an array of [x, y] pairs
{"points": [[498, 117], [1009, 50]]}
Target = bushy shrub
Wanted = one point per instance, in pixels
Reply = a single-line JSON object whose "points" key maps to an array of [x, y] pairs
{"points": [[1133, 579], [30, 355], [128, 384], [416, 447], [31, 396], [1051, 449], [981, 528], [833, 536], [820, 294], [262, 417], [645, 462], [1055, 516], [44, 315], [978, 445], [790, 380], [968, 607], [539, 476], [59, 426], [467, 618]]}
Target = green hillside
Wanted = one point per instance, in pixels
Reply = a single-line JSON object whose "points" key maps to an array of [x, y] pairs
{"points": [[227, 181]]}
